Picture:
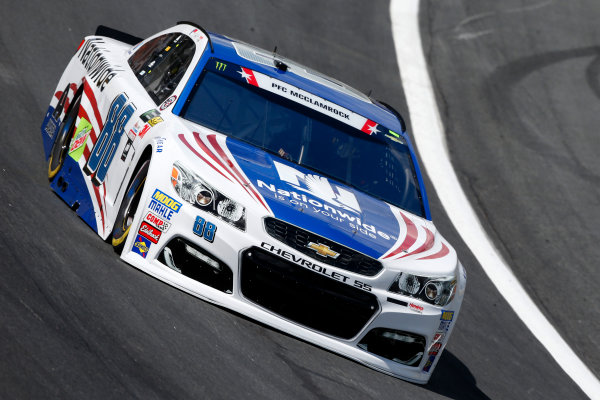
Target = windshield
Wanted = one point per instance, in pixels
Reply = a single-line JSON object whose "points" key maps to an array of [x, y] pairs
{"points": [[228, 101]]}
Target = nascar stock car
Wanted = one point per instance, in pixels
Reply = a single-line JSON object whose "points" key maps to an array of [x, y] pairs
{"points": [[253, 182]]}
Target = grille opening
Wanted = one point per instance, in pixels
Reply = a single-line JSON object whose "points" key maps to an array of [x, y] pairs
{"points": [[401, 347], [304, 296], [299, 239], [196, 263]]}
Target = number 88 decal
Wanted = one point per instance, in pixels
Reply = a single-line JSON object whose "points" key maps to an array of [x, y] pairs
{"points": [[205, 229]]}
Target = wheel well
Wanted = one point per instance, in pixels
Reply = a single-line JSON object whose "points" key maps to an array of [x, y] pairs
{"points": [[78, 92], [146, 155]]}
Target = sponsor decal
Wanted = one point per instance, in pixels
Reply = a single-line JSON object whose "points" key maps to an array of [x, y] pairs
{"points": [[168, 102], [297, 95], [205, 229], [196, 35], [447, 315], [159, 144], [145, 129], [437, 342], [149, 232], [141, 246], [99, 69], [50, 127], [428, 364], [315, 267], [157, 222], [167, 201], [160, 209], [444, 326], [154, 121], [77, 145], [152, 117], [139, 130], [318, 186], [220, 66], [104, 149], [416, 308], [131, 135], [323, 250], [435, 349], [395, 137], [309, 99], [319, 195]]}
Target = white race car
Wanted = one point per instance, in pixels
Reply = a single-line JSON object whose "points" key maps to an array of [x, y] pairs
{"points": [[258, 184]]}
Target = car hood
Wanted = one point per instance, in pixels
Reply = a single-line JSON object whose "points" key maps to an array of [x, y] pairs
{"points": [[306, 199]]}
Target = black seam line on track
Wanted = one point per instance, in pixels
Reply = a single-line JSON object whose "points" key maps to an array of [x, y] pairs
{"points": [[516, 71]]}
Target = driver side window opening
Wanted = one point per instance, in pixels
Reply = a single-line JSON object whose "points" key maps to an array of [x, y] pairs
{"points": [[160, 64]]}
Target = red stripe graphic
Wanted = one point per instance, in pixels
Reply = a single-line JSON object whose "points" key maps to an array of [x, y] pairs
{"points": [[183, 139], [425, 246], [209, 152], [411, 237], [245, 184], [90, 95], [443, 252]]}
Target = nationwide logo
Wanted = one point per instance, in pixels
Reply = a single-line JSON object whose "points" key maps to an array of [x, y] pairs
{"points": [[319, 187], [323, 250], [99, 69]]}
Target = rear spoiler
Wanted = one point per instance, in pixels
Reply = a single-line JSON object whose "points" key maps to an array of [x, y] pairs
{"points": [[102, 30]]}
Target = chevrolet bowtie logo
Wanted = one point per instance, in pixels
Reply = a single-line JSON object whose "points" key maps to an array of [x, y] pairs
{"points": [[323, 250]]}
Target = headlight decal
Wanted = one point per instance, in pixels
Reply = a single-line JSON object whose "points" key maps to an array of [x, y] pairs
{"points": [[223, 161], [194, 190], [438, 291]]}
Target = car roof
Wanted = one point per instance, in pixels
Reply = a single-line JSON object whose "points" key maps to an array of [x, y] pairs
{"points": [[263, 61]]}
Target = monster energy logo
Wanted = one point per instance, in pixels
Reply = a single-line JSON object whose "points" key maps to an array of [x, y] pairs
{"points": [[219, 66]]}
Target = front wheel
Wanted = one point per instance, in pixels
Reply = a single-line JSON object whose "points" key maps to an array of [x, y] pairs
{"points": [[65, 133], [128, 208]]}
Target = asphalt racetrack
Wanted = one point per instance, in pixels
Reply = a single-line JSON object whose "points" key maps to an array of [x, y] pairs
{"points": [[518, 86]]}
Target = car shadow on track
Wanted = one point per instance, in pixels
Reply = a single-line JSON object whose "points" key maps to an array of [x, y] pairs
{"points": [[454, 380]]}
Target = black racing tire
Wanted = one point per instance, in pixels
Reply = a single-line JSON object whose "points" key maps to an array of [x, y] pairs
{"points": [[129, 206], [63, 137]]}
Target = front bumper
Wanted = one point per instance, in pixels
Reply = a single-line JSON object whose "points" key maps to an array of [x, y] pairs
{"points": [[252, 273]]}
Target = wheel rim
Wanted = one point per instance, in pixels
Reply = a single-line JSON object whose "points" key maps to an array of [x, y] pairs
{"points": [[128, 209], [58, 152]]}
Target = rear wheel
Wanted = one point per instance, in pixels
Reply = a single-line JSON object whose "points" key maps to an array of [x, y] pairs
{"points": [[129, 207], [65, 133]]}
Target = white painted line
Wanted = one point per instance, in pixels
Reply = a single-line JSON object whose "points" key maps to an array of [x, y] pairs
{"points": [[429, 136]]}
